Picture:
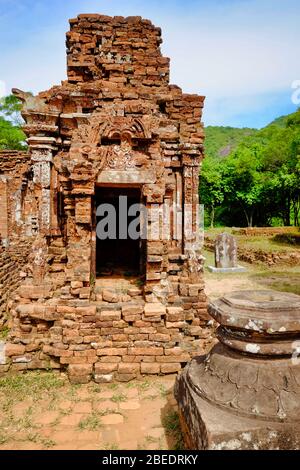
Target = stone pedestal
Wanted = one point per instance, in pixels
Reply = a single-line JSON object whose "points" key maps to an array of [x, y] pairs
{"points": [[236, 269], [246, 393]]}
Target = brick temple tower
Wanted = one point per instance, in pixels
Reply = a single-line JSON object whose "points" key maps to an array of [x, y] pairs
{"points": [[115, 128]]}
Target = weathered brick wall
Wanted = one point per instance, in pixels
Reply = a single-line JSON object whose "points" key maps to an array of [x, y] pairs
{"points": [[105, 342], [12, 261], [121, 50], [14, 250], [3, 209], [14, 183]]}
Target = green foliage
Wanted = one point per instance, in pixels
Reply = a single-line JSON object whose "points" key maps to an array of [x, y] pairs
{"points": [[31, 384], [221, 141], [91, 423], [171, 423], [4, 331], [10, 106], [212, 189], [259, 180], [11, 135]]}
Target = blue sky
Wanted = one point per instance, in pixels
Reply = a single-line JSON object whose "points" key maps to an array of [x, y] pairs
{"points": [[242, 54]]}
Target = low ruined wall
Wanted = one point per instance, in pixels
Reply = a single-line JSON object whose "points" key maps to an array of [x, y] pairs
{"points": [[12, 261], [263, 231], [290, 258], [253, 256], [106, 341]]}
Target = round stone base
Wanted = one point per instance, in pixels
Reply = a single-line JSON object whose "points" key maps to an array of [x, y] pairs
{"points": [[208, 427]]}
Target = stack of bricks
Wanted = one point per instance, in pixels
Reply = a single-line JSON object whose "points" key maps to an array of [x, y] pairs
{"points": [[104, 341], [116, 121], [121, 50]]}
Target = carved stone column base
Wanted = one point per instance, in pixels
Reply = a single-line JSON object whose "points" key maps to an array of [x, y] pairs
{"points": [[245, 394], [207, 427]]}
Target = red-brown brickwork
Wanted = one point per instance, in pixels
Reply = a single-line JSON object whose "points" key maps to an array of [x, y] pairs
{"points": [[115, 125], [15, 244]]}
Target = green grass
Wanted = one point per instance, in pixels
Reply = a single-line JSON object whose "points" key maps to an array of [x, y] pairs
{"points": [[113, 386], [150, 440], [144, 385], [48, 443], [118, 398], [110, 446], [4, 332], [270, 244], [282, 278], [283, 281], [94, 388], [90, 423], [32, 384], [171, 423], [267, 244], [162, 390]]}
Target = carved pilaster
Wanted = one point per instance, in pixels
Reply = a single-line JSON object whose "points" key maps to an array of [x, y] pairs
{"points": [[41, 159]]}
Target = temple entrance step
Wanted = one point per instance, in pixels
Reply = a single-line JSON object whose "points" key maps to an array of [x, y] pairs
{"points": [[118, 286]]}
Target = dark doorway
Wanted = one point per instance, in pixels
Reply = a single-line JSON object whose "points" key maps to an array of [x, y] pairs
{"points": [[117, 254]]}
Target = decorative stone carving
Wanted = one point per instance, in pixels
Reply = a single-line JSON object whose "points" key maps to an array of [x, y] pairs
{"points": [[253, 373], [120, 157]]}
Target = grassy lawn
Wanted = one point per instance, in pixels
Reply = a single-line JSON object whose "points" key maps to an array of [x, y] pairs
{"points": [[258, 275], [269, 244], [281, 280]]}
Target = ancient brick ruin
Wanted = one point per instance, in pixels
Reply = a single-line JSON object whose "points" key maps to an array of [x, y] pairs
{"points": [[115, 127], [15, 243]]}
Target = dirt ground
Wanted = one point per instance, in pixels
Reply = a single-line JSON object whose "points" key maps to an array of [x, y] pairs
{"points": [[43, 411], [257, 277]]}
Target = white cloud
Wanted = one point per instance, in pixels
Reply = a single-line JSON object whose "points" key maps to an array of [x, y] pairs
{"points": [[251, 47]]}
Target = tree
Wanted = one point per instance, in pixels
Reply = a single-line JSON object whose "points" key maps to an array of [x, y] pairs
{"points": [[11, 137], [244, 180], [10, 107], [259, 180], [211, 190], [11, 134]]}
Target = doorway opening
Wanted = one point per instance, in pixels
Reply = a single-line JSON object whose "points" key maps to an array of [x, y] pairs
{"points": [[117, 254]]}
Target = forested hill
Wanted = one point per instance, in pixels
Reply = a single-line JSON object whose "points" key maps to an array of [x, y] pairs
{"points": [[251, 176], [220, 141]]}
